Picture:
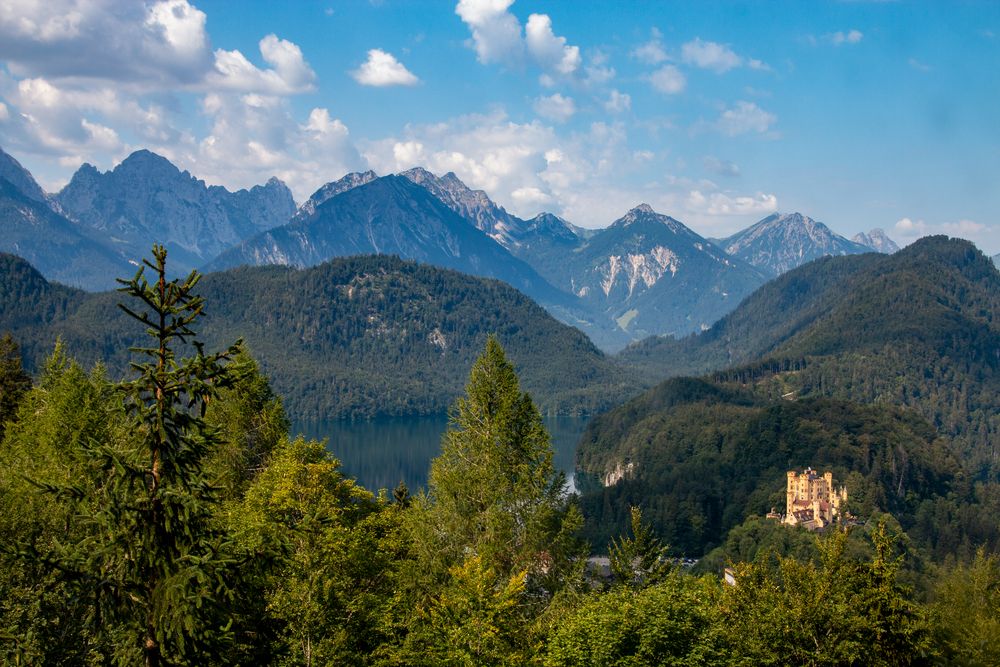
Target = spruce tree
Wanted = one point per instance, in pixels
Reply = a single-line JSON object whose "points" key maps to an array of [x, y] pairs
{"points": [[14, 382], [153, 563]]}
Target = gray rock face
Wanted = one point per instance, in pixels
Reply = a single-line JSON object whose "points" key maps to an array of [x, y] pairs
{"points": [[473, 205], [653, 275], [147, 200], [877, 240], [330, 190], [58, 248], [781, 242], [12, 171]]}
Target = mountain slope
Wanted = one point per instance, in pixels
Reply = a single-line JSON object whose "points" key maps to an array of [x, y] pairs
{"points": [[60, 249], [473, 205], [919, 328], [392, 215], [884, 368], [653, 275], [781, 242], [351, 337], [19, 177], [146, 199], [877, 240]]}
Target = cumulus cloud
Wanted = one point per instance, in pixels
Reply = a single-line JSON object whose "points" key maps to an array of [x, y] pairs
{"points": [[164, 42], [498, 37], [744, 118], [555, 107], [710, 55], [651, 52], [668, 80], [289, 72], [496, 33], [382, 69], [550, 51], [618, 102]]}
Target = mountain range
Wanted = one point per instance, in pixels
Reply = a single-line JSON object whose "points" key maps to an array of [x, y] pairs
{"points": [[645, 274], [146, 198], [781, 242]]}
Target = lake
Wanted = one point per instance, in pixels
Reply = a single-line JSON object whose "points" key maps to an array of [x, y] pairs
{"points": [[381, 452]]}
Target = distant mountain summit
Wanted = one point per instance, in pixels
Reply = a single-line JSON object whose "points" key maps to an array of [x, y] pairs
{"points": [[19, 177], [654, 275], [877, 240], [473, 205], [146, 200], [781, 242], [334, 188]]}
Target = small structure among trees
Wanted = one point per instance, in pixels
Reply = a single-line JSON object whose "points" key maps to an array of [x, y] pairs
{"points": [[812, 501]]}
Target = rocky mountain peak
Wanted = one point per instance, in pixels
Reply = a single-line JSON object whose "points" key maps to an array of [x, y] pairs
{"points": [[782, 241], [334, 188], [877, 240], [20, 178]]}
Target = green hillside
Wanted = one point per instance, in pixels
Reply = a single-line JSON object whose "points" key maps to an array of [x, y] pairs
{"points": [[353, 337], [882, 368], [917, 329]]}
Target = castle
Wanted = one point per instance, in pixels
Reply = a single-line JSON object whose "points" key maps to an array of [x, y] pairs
{"points": [[812, 501]]}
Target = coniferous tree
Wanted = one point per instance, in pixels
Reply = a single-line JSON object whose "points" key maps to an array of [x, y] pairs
{"points": [[641, 560], [154, 565], [14, 381]]}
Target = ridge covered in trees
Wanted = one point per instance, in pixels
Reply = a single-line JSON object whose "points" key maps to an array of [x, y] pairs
{"points": [[170, 518], [355, 337]]}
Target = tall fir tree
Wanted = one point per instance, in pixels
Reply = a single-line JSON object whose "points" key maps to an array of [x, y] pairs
{"points": [[153, 562]]}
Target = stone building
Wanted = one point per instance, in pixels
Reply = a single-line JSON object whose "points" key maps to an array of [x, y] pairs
{"points": [[812, 501]]}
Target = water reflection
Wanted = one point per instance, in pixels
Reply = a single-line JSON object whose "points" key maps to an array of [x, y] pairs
{"points": [[381, 452]]}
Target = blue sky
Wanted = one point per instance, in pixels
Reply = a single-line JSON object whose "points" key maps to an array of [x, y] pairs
{"points": [[859, 114]]}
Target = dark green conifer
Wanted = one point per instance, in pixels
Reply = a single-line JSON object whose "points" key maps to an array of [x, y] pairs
{"points": [[153, 563]]}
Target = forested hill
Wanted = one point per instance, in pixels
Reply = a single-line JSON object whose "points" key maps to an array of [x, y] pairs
{"points": [[699, 457], [865, 364], [919, 328], [927, 292], [353, 337]]}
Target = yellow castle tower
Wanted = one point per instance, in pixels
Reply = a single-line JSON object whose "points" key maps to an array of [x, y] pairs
{"points": [[811, 499]]}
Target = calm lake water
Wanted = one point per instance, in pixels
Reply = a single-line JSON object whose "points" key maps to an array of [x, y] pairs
{"points": [[381, 452]]}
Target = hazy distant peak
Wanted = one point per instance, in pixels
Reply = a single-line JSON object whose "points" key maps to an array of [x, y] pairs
{"points": [[877, 240], [19, 177], [334, 188], [782, 241]]}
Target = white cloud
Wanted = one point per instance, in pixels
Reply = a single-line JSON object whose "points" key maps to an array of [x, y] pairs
{"points": [[555, 107], [725, 204], [909, 229], [745, 117], [496, 33], [919, 66], [498, 37], [550, 51], [850, 37], [4, 114], [668, 80], [618, 102], [142, 44], [289, 72], [651, 52], [710, 55], [382, 69]]}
